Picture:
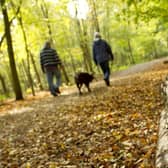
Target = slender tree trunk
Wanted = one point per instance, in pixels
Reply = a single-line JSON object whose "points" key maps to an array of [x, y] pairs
{"points": [[26, 47], [72, 61], [15, 79], [86, 48], [65, 74], [28, 54], [46, 16], [84, 44], [130, 52], [36, 71], [24, 76], [94, 15], [155, 50], [106, 23], [5, 90], [70, 54], [28, 76]]}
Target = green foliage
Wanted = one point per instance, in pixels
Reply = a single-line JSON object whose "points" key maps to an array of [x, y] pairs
{"points": [[2, 97], [137, 29]]}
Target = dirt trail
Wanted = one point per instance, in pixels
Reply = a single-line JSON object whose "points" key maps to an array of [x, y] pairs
{"points": [[139, 68], [70, 94], [63, 131]]}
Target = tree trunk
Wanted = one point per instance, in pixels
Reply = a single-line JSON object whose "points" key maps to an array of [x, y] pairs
{"points": [[130, 52], [106, 23], [86, 48], [155, 50], [162, 145], [36, 72], [45, 14], [5, 90], [15, 79], [30, 81], [65, 74], [72, 61], [10, 22], [28, 54], [84, 44], [94, 16], [24, 79], [26, 48], [70, 54]]}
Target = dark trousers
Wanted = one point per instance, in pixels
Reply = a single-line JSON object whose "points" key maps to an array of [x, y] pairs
{"points": [[51, 74], [106, 70]]}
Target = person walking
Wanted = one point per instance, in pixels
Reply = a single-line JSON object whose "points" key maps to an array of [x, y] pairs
{"points": [[50, 62], [102, 54]]}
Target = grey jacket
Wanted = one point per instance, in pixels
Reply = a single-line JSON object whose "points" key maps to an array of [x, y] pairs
{"points": [[102, 51]]}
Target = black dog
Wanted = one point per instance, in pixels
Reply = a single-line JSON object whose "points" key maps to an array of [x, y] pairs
{"points": [[83, 78]]}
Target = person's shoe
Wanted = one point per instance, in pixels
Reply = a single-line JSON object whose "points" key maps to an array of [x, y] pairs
{"points": [[57, 90], [54, 94], [107, 82]]}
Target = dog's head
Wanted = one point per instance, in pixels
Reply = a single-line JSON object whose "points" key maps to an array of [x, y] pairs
{"points": [[91, 77]]}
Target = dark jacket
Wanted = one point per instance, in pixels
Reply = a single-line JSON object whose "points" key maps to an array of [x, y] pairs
{"points": [[49, 58], [101, 51]]}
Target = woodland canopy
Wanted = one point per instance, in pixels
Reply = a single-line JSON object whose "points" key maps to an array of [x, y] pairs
{"points": [[136, 29]]}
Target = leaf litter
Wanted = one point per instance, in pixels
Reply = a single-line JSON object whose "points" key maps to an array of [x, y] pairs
{"points": [[115, 127]]}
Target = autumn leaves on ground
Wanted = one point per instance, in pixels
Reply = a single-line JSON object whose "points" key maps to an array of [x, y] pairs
{"points": [[111, 127]]}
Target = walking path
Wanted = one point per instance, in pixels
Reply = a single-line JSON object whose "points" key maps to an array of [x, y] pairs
{"points": [[70, 128]]}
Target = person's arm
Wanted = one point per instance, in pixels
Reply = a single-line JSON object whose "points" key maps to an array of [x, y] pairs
{"points": [[109, 50], [57, 57], [94, 54], [42, 68], [41, 63]]}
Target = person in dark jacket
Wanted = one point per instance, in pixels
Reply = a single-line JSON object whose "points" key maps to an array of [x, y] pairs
{"points": [[102, 54], [50, 62]]}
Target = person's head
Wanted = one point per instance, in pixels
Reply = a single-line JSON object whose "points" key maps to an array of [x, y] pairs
{"points": [[97, 36], [47, 44]]}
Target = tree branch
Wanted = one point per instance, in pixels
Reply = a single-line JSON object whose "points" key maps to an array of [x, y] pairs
{"points": [[10, 22]]}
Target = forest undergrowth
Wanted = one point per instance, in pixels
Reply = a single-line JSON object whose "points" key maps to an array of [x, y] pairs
{"points": [[111, 127]]}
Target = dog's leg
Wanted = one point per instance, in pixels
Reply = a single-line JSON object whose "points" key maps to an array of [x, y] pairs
{"points": [[87, 85], [79, 87]]}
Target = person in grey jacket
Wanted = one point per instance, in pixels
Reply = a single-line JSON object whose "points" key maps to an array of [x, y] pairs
{"points": [[102, 54], [50, 62]]}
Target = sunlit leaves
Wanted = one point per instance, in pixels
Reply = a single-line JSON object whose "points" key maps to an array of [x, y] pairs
{"points": [[114, 126]]}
